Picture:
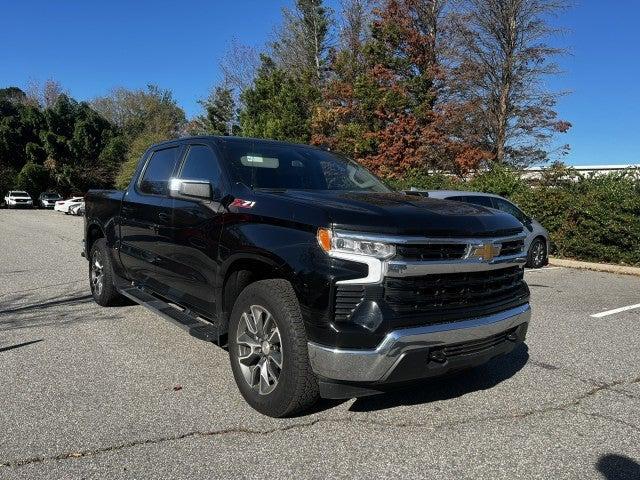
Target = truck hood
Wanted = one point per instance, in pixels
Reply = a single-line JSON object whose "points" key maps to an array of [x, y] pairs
{"points": [[400, 214]]}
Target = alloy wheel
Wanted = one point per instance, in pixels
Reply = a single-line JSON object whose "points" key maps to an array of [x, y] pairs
{"points": [[97, 273], [259, 349], [538, 253]]}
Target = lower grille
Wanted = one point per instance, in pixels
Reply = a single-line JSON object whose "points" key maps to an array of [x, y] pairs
{"points": [[476, 346], [450, 296]]}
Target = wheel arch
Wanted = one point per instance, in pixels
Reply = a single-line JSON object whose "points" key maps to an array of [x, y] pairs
{"points": [[93, 233], [242, 270]]}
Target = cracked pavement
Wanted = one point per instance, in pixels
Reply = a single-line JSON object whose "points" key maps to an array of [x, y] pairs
{"points": [[89, 392]]}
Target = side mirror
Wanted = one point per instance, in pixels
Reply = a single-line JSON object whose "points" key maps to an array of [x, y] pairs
{"points": [[190, 189]]}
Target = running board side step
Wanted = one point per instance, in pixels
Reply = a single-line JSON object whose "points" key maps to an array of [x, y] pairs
{"points": [[184, 319]]}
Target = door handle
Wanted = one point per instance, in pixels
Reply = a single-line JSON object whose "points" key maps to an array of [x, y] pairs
{"points": [[164, 217]]}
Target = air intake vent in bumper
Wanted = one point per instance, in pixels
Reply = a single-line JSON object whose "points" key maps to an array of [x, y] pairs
{"points": [[347, 299]]}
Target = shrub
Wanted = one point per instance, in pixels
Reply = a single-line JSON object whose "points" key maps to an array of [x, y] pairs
{"points": [[425, 180]]}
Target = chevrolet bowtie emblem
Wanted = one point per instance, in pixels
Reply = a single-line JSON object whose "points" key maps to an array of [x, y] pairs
{"points": [[485, 252]]}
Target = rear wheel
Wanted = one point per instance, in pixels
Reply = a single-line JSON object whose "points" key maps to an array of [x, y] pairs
{"points": [[268, 350], [537, 255], [101, 277]]}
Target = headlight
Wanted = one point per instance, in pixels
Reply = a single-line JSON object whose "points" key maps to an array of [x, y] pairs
{"points": [[345, 243]]}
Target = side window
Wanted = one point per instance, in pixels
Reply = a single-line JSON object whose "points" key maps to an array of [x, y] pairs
{"points": [[200, 164], [457, 198], [511, 209], [479, 200], [155, 179]]}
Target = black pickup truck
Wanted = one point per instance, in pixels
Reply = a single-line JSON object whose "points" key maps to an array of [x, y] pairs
{"points": [[321, 280]]}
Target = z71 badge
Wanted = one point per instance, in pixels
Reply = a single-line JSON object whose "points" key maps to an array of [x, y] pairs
{"points": [[240, 203]]}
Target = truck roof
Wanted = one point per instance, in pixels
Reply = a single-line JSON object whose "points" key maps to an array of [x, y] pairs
{"points": [[233, 139]]}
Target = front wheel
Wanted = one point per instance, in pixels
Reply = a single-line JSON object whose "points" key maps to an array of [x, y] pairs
{"points": [[268, 350], [537, 255]]}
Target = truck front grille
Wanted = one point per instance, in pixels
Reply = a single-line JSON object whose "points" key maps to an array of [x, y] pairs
{"points": [[452, 296], [512, 247], [432, 251]]}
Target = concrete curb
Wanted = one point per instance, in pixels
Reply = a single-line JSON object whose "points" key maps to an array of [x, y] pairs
{"points": [[598, 267]]}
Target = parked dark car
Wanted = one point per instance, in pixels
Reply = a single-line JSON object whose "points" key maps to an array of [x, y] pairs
{"points": [[48, 199], [321, 280]]}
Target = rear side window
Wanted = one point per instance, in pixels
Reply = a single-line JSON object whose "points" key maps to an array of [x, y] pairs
{"points": [[511, 209], [201, 164], [479, 200], [155, 179]]}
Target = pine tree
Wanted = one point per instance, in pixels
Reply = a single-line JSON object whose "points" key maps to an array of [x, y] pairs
{"points": [[276, 105], [220, 113]]}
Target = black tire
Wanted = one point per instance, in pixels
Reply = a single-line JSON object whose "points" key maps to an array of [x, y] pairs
{"points": [[106, 295], [296, 388], [537, 254]]}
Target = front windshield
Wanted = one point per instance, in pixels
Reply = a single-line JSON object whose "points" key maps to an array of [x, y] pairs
{"points": [[292, 167], [51, 195], [19, 194]]}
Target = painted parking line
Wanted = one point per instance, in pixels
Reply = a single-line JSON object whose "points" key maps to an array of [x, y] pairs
{"points": [[615, 310], [543, 269]]}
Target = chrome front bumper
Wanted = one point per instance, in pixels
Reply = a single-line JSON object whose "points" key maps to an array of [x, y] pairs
{"points": [[378, 364]]}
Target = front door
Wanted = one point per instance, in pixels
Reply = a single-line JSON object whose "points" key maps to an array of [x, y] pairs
{"points": [[145, 220], [197, 226]]}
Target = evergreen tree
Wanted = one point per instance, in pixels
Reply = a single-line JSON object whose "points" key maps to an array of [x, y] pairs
{"points": [[33, 179], [276, 105], [220, 113]]}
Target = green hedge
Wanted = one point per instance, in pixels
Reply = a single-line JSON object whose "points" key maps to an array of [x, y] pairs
{"points": [[593, 218]]}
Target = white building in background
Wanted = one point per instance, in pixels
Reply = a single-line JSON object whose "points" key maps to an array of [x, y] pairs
{"points": [[532, 173]]}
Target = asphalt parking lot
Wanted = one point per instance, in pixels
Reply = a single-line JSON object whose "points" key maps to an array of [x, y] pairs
{"points": [[89, 392]]}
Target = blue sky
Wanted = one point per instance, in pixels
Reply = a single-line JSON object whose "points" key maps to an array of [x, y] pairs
{"points": [[91, 47]]}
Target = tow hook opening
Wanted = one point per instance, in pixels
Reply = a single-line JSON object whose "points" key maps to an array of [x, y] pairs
{"points": [[438, 356]]}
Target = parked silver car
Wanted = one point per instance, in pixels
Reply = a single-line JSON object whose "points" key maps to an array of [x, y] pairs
{"points": [[537, 241]]}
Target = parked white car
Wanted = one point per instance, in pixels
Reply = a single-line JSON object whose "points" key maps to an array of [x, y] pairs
{"points": [[64, 205], [77, 209], [17, 199]]}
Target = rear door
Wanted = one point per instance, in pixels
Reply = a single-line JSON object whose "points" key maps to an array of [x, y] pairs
{"points": [[197, 226], [146, 219]]}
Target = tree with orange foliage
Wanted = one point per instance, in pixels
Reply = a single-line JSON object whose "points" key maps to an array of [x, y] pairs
{"points": [[386, 105]]}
